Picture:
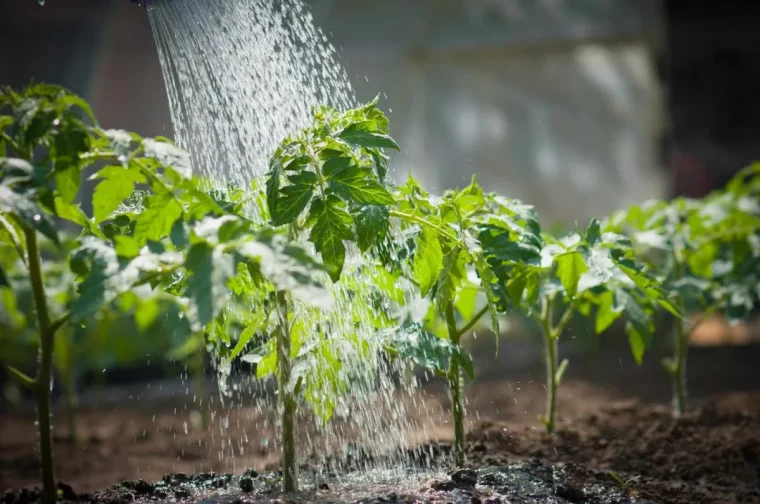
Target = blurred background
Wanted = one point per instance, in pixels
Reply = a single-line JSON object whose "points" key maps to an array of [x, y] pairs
{"points": [[579, 107]]}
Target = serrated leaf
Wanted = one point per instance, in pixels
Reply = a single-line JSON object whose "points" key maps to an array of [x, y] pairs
{"points": [[67, 182], [358, 185], [27, 211], [332, 225], [428, 260], [335, 165], [487, 280], [126, 246], [365, 134], [607, 312], [447, 283], [570, 267], [208, 270], [156, 221], [117, 185], [292, 201], [371, 225]]}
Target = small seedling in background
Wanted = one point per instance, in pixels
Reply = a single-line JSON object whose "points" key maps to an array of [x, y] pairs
{"points": [[707, 253], [583, 271]]}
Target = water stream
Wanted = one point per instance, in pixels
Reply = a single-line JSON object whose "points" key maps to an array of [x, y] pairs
{"points": [[241, 75]]}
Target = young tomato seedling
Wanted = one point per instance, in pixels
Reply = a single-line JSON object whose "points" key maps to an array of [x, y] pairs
{"points": [[707, 254], [584, 270], [328, 180], [142, 252], [447, 247]]}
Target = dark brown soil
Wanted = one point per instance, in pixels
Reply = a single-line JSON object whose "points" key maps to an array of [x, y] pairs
{"points": [[712, 455]]}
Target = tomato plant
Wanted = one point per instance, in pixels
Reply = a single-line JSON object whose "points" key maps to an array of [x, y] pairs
{"points": [[171, 245], [584, 271], [328, 180], [706, 253]]}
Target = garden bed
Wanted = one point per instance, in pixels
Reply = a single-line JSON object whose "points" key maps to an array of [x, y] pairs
{"points": [[711, 455]]}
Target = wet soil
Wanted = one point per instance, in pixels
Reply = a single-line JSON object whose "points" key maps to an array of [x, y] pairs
{"points": [[608, 448]]}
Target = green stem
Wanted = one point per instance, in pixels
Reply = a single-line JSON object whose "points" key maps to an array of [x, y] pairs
{"points": [[550, 353], [45, 367], [199, 381], [286, 404], [455, 387], [681, 343], [423, 222], [469, 325]]}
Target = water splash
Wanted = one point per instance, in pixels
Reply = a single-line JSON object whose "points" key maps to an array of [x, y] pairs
{"points": [[241, 75]]}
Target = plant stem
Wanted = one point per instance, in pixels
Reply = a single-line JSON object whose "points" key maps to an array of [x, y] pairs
{"points": [[455, 388], [681, 343], [550, 353], [469, 325], [199, 381], [44, 369], [423, 222], [286, 404]]}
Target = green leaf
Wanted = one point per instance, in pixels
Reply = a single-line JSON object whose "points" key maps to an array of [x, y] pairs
{"points": [[428, 260], [298, 163], [74, 214], [208, 271], [447, 283], [593, 233], [358, 185], [27, 211], [288, 267], [332, 225], [117, 185], [488, 280], [335, 165], [67, 182], [465, 361], [126, 246], [701, 261], [606, 312], [365, 134], [423, 348], [637, 341], [273, 180], [245, 338], [371, 225], [292, 201], [570, 267], [156, 221]]}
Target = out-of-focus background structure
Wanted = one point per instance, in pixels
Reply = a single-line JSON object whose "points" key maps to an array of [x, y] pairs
{"points": [[578, 106]]}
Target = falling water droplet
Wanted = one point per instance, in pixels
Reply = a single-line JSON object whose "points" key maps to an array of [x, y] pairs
{"points": [[36, 217]]}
